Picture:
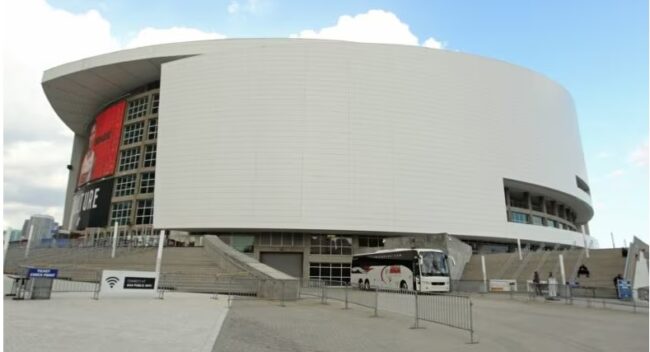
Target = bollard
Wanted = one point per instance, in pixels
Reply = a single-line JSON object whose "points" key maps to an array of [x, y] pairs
{"points": [[323, 298], [376, 302], [98, 285], [282, 294], [345, 288], [634, 305], [417, 313], [471, 324], [230, 292]]}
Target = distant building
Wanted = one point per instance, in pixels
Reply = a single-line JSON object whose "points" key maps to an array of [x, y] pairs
{"points": [[44, 228], [14, 234]]}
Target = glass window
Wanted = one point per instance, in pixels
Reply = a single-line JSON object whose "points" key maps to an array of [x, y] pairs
{"points": [[550, 223], [537, 220], [129, 159], [149, 155], [371, 241], [152, 131], [133, 133], [124, 186], [144, 213], [243, 243], [121, 212], [137, 108], [519, 217], [434, 264], [265, 239], [334, 273], [154, 103], [147, 182], [330, 245]]}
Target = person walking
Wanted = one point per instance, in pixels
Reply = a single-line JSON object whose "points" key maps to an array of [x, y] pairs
{"points": [[538, 287]]}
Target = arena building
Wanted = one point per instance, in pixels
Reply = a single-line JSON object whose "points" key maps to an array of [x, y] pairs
{"points": [[302, 152]]}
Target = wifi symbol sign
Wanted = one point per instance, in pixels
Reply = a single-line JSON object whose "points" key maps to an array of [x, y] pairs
{"points": [[112, 280]]}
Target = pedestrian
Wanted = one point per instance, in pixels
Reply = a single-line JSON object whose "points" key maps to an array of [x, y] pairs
{"points": [[616, 280], [538, 287], [552, 285], [582, 270]]}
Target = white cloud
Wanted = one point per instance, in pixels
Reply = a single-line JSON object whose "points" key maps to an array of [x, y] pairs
{"points": [[152, 36], [39, 37], [431, 42], [37, 163], [374, 26], [639, 156], [37, 144]]}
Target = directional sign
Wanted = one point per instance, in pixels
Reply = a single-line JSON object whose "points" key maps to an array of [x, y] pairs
{"points": [[34, 273]]}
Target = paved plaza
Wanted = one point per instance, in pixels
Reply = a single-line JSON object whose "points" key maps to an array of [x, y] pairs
{"points": [[195, 322], [501, 325], [73, 322]]}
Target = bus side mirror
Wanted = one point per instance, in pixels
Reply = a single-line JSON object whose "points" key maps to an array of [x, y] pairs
{"points": [[452, 261]]}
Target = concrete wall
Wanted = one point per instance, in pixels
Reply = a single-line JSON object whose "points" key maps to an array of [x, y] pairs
{"points": [[355, 137], [273, 285]]}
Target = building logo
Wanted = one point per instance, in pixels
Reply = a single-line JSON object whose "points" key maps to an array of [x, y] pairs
{"points": [[112, 280]]}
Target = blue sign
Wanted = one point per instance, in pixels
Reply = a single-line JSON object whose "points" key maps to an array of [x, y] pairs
{"points": [[624, 289], [35, 273]]}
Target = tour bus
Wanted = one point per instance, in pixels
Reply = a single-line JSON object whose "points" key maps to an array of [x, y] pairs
{"points": [[424, 270]]}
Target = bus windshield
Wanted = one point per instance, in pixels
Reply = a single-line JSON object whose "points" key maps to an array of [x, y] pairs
{"points": [[434, 264]]}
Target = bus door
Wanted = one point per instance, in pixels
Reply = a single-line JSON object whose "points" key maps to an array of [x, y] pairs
{"points": [[416, 273]]}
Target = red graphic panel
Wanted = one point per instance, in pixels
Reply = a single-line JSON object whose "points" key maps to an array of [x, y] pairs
{"points": [[103, 142], [395, 269]]}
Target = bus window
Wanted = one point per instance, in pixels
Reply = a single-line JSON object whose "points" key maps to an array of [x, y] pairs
{"points": [[434, 264]]}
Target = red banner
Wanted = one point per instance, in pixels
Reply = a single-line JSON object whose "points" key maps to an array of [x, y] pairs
{"points": [[103, 143]]}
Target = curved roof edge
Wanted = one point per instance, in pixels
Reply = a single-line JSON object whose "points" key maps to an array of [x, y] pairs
{"points": [[78, 90]]}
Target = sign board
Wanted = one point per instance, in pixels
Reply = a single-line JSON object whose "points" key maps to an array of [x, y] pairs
{"points": [[91, 205], [103, 143], [116, 283], [503, 285], [624, 290], [36, 273]]}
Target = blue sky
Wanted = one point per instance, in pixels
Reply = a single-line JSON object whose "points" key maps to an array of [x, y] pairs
{"points": [[598, 50]]}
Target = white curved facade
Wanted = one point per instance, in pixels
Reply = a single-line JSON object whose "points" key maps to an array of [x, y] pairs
{"points": [[343, 137]]}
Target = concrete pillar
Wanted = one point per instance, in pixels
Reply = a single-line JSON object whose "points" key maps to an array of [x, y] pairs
{"points": [[529, 204], [543, 210], [78, 147], [508, 204]]}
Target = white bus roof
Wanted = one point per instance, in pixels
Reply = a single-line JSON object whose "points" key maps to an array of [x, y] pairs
{"points": [[393, 250]]}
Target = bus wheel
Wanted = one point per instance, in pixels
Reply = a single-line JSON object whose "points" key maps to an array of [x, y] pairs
{"points": [[367, 285], [360, 284], [403, 285]]}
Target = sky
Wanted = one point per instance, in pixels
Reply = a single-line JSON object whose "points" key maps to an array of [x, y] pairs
{"points": [[598, 50]]}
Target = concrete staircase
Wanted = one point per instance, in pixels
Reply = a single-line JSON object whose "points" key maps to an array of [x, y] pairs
{"points": [[188, 260], [603, 264]]}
